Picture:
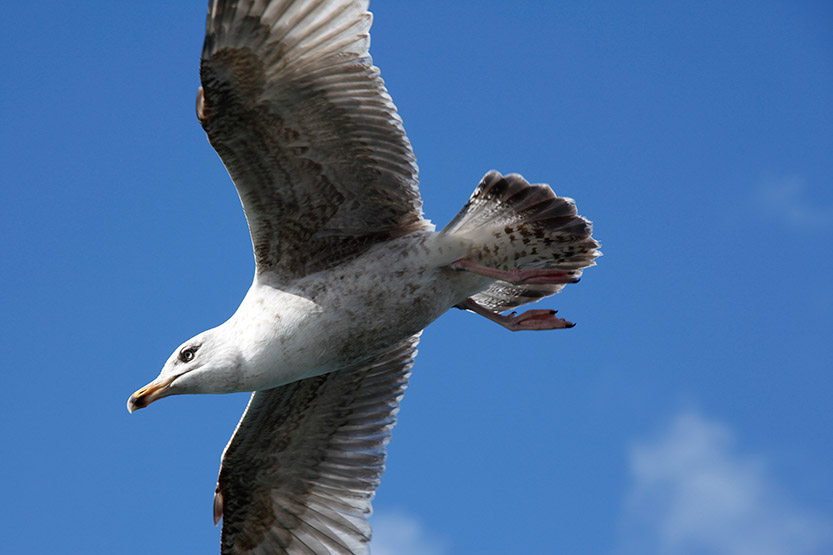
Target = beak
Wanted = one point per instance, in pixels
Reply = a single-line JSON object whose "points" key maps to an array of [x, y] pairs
{"points": [[156, 389]]}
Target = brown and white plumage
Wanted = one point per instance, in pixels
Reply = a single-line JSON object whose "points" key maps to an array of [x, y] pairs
{"points": [[301, 469], [293, 105], [503, 207], [348, 272]]}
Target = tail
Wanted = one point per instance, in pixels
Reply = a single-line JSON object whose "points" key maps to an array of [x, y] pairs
{"points": [[514, 224]]}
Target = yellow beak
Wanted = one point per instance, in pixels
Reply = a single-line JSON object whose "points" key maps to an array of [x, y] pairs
{"points": [[156, 389]]}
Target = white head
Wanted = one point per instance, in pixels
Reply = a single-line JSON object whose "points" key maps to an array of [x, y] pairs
{"points": [[208, 363]]}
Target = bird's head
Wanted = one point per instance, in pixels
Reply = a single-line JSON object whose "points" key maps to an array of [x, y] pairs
{"points": [[208, 363]]}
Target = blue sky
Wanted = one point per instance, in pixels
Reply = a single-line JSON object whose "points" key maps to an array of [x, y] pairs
{"points": [[689, 411]]}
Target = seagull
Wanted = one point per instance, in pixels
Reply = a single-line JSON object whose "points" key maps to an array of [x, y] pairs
{"points": [[348, 272]]}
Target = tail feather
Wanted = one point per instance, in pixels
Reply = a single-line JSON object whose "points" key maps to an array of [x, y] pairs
{"points": [[514, 224], [502, 296]]}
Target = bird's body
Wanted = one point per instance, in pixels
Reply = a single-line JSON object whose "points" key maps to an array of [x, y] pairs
{"points": [[330, 320], [348, 272]]}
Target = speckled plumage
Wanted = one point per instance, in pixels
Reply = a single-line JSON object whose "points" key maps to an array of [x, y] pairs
{"points": [[348, 272], [517, 225]]}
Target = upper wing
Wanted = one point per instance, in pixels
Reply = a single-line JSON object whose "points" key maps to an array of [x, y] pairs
{"points": [[293, 105], [302, 467]]}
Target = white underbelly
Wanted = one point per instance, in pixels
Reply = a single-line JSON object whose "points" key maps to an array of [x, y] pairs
{"points": [[336, 318]]}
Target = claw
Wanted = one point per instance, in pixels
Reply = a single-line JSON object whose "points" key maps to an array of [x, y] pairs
{"points": [[537, 319]]}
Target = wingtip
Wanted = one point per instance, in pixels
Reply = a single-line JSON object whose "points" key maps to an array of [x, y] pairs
{"points": [[218, 507], [201, 105]]}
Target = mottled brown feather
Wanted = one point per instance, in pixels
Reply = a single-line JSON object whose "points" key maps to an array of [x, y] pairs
{"points": [[306, 458], [291, 102], [517, 225]]}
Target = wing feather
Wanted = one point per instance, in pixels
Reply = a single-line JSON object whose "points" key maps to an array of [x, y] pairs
{"points": [[293, 105], [301, 469]]}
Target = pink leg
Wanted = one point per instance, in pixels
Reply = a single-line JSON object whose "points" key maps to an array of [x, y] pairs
{"points": [[530, 320], [516, 277]]}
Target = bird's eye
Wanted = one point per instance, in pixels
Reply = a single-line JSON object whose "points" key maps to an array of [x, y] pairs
{"points": [[187, 354]]}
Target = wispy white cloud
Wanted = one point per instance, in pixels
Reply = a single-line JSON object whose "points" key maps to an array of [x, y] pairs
{"points": [[402, 534], [693, 493], [788, 200]]}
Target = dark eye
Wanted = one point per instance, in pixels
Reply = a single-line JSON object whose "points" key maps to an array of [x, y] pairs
{"points": [[187, 354]]}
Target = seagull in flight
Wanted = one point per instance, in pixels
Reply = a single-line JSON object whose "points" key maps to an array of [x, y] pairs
{"points": [[348, 271]]}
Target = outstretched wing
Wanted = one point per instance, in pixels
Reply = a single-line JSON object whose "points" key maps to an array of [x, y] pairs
{"points": [[302, 467], [293, 105]]}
